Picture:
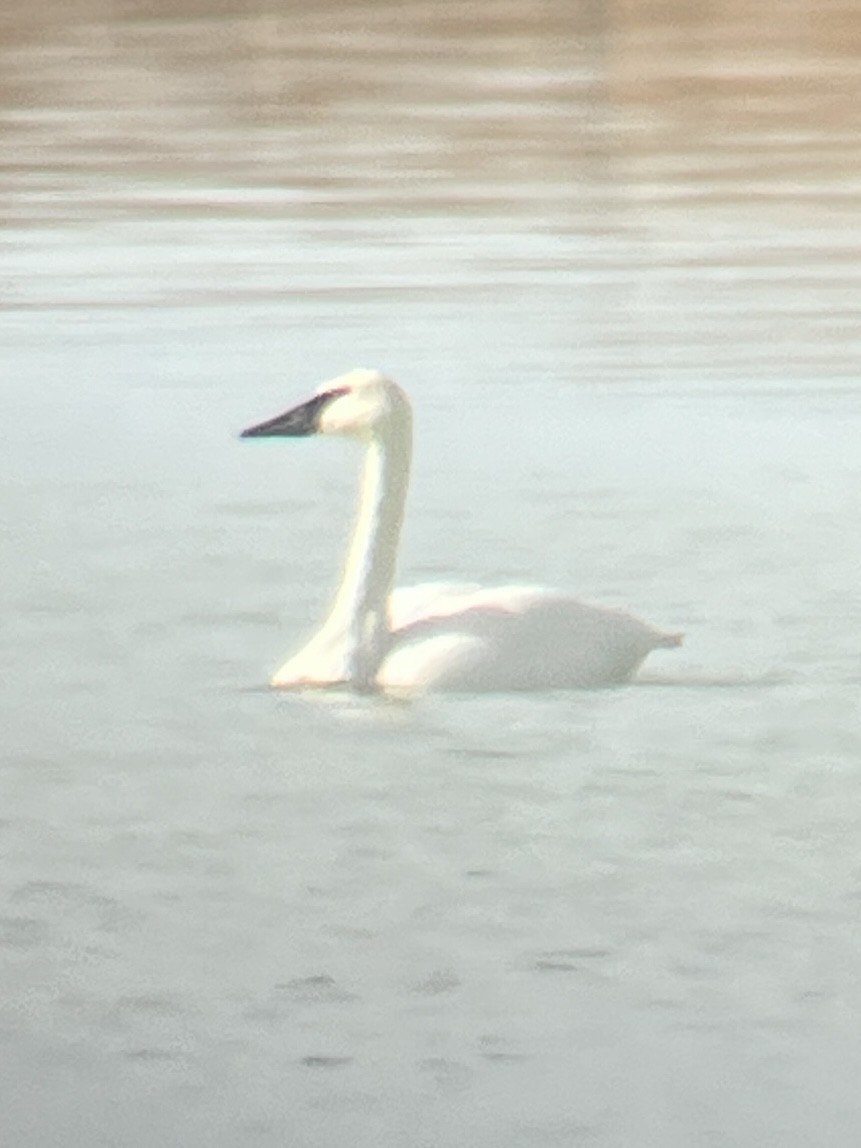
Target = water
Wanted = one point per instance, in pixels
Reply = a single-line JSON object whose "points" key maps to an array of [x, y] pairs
{"points": [[611, 250]]}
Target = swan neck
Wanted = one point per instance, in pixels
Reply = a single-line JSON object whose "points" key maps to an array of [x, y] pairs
{"points": [[360, 612]]}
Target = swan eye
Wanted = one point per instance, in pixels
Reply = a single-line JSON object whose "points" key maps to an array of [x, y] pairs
{"points": [[297, 422]]}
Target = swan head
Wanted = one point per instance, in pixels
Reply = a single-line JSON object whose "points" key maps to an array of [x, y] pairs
{"points": [[361, 404]]}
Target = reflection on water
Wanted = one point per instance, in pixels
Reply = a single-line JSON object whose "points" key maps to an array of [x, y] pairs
{"points": [[662, 189], [611, 247]]}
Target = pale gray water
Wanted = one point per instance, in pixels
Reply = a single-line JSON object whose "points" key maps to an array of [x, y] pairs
{"points": [[613, 253]]}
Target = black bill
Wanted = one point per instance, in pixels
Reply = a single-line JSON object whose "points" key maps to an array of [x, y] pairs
{"points": [[295, 423]]}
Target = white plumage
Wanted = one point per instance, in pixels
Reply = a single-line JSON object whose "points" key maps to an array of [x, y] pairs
{"points": [[440, 636]]}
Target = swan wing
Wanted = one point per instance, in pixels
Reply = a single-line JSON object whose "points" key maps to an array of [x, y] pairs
{"points": [[411, 604], [463, 637]]}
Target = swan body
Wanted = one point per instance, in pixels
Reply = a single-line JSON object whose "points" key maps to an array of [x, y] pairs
{"points": [[437, 636]]}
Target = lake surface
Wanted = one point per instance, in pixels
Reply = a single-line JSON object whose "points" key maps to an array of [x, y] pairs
{"points": [[612, 250]]}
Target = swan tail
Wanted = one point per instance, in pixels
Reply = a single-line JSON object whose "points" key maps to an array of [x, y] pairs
{"points": [[669, 641]]}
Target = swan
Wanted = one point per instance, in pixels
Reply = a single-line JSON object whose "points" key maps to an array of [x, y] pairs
{"points": [[440, 636]]}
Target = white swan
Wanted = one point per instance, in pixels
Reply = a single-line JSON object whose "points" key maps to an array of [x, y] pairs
{"points": [[437, 636]]}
